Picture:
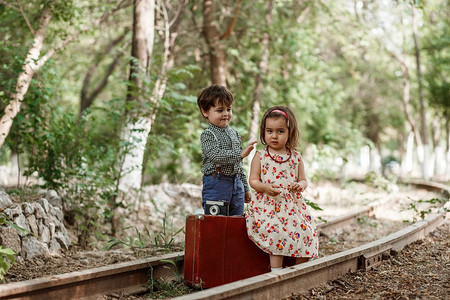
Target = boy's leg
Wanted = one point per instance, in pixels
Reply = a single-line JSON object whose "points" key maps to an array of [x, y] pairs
{"points": [[237, 198], [216, 188]]}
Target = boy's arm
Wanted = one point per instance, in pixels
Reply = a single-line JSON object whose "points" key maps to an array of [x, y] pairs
{"points": [[211, 149], [244, 180]]}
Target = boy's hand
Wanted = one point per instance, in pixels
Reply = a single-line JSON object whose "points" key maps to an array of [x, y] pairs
{"points": [[248, 197], [272, 190], [248, 149]]}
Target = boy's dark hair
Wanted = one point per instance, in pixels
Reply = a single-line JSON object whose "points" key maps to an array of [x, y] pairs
{"points": [[286, 113], [213, 94]]}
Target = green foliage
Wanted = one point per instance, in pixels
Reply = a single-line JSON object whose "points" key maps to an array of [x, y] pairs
{"points": [[378, 181], [72, 156], [173, 141], [313, 205], [6, 254]]}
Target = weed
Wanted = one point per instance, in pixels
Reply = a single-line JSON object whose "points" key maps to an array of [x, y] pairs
{"points": [[7, 255], [164, 240], [365, 220], [161, 288], [420, 211]]}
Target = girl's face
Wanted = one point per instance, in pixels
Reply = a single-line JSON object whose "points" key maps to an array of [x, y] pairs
{"points": [[276, 133], [219, 115]]}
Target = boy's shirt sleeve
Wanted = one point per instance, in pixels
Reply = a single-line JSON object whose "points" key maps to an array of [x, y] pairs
{"points": [[242, 173], [244, 180], [211, 149]]}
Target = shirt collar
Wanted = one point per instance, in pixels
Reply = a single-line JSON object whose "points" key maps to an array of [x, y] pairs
{"points": [[214, 127]]}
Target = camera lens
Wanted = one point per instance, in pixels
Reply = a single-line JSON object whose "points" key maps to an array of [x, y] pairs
{"points": [[214, 210]]}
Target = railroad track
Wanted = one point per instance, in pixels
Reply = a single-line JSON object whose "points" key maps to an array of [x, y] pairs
{"points": [[133, 277]]}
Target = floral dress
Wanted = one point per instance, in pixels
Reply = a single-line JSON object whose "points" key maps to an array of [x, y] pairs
{"points": [[281, 225]]}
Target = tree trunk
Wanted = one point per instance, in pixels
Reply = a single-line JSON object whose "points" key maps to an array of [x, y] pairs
{"points": [[87, 98], [407, 165], [136, 132], [426, 174], [212, 37], [214, 40], [30, 67], [447, 148], [138, 126], [260, 74]]}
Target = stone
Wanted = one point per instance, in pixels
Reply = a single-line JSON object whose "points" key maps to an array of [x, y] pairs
{"points": [[13, 211], [21, 221], [44, 203], [9, 238], [33, 224], [27, 209], [57, 212], [54, 246], [54, 198], [45, 235], [39, 211], [31, 248], [52, 228], [62, 240], [5, 201]]}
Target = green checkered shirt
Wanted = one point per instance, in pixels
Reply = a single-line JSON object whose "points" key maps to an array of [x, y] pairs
{"points": [[222, 147]]}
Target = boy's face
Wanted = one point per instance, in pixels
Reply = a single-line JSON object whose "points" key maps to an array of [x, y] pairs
{"points": [[219, 115]]}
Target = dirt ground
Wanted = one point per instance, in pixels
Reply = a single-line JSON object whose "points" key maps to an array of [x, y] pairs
{"points": [[420, 271]]}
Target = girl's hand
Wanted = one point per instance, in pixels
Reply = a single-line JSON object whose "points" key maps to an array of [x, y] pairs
{"points": [[299, 186], [272, 190], [248, 149]]}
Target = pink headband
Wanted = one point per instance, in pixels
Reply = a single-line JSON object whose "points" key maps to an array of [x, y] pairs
{"points": [[281, 112]]}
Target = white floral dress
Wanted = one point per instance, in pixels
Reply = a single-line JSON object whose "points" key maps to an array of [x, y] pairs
{"points": [[281, 225]]}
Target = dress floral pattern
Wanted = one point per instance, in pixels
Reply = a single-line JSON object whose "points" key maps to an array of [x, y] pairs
{"points": [[281, 225]]}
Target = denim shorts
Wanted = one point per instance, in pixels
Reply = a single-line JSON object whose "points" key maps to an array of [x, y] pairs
{"points": [[225, 188]]}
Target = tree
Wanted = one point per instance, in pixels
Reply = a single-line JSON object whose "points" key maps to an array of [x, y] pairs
{"points": [[143, 99], [31, 65], [214, 39], [34, 61], [423, 121]]}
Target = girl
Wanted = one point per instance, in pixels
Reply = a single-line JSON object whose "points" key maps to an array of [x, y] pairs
{"points": [[278, 220]]}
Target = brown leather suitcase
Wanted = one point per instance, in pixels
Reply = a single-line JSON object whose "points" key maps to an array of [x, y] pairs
{"points": [[218, 251]]}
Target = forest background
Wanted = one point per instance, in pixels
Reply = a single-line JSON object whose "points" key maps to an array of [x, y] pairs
{"points": [[98, 98]]}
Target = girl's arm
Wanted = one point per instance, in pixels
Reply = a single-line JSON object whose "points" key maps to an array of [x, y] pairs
{"points": [[301, 184], [255, 178]]}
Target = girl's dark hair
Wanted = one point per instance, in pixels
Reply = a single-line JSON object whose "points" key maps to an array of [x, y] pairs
{"points": [[212, 94], [291, 121]]}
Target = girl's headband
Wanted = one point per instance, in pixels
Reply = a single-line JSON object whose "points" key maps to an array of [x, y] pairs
{"points": [[281, 112]]}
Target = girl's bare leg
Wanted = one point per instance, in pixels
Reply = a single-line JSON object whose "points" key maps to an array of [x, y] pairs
{"points": [[301, 260], [276, 261]]}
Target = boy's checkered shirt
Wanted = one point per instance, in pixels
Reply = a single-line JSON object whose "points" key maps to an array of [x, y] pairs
{"points": [[222, 147]]}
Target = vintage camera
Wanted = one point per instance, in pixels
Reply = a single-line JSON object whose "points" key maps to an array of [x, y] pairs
{"points": [[217, 208]]}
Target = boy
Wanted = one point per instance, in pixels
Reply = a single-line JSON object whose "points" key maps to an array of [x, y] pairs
{"points": [[223, 176]]}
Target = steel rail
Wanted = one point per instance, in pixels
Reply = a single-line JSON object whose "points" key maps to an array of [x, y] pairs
{"points": [[132, 277]]}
